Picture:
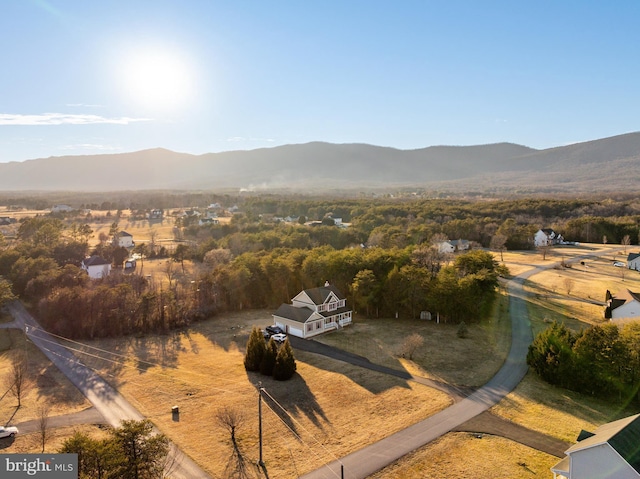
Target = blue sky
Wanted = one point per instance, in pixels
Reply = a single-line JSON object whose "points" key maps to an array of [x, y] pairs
{"points": [[90, 77]]}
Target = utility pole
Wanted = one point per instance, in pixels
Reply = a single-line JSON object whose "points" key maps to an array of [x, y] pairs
{"points": [[260, 391]]}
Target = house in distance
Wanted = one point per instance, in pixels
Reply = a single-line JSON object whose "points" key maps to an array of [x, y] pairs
{"points": [[96, 267], [313, 312]]}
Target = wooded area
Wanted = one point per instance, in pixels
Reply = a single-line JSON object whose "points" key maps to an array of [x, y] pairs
{"points": [[384, 257]]}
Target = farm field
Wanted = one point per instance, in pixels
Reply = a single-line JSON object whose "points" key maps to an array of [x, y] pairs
{"points": [[335, 408], [162, 230]]}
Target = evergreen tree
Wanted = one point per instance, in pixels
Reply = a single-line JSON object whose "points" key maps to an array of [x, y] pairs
{"points": [[463, 331], [269, 359], [144, 452], [131, 451], [285, 366], [256, 347]]}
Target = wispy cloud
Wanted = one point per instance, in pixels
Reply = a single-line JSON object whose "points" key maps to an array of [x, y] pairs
{"points": [[62, 119]]}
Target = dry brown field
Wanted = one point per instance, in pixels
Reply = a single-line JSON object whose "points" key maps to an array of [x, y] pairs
{"points": [[464, 456], [100, 222], [46, 386]]}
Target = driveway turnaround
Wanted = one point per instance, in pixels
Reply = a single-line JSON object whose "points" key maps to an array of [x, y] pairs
{"points": [[107, 401]]}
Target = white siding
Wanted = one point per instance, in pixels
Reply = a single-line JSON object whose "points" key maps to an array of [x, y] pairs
{"points": [[600, 462], [628, 310]]}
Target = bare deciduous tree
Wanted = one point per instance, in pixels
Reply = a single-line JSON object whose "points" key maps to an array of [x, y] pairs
{"points": [[568, 283], [544, 250], [626, 241], [498, 242], [43, 425], [411, 345], [170, 272], [238, 466], [18, 379]]}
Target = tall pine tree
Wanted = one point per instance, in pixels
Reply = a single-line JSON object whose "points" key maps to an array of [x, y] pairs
{"points": [[256, 347], [285, 366], [269, 358]]}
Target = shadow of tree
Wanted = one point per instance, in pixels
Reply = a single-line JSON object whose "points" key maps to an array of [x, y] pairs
{"points": [[53, 391], [367, 381], [295, 397]]}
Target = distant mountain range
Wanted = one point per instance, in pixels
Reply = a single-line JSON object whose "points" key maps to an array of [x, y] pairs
{"points": [[605, 165]]}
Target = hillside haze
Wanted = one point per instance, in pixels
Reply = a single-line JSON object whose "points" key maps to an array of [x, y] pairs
{"points": [[607, 164]]}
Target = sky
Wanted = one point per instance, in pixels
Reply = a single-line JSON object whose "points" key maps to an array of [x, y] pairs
{"points": [[90, 77]]}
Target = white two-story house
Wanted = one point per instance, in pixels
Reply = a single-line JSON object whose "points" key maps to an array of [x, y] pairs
{"points": [[313, 311], [96, 267]]}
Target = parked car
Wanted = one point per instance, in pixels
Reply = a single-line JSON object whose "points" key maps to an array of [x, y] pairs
{"points": [[280, 337], [619, 264], [9, 431], [274, 330]]}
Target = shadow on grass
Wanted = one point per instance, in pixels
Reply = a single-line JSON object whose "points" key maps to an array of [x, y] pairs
{"points": [[581, 406], [366, 381], [291, 398], [52, 391]]}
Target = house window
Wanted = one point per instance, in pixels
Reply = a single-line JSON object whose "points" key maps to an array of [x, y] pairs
{"points": [[333, 306], [319, 325], [322, 307], [341, 303], [309, 328]]}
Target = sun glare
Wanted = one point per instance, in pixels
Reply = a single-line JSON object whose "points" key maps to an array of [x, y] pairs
{"points": [[157, 79]]}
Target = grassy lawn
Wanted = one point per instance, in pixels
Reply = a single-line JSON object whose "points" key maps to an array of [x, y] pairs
{"points": [[463, 456], [45, 386], [469, 361]]}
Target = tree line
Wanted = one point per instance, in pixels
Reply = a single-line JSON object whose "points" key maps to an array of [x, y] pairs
{"points": [[602, 361]]}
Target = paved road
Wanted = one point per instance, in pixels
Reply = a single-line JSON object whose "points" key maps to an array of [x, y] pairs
{"points": [[107, 401], [370, 459], [89, 415]]}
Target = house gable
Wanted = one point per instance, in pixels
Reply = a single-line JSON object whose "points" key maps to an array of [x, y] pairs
{"points": [[624, 304], [612, 452]]}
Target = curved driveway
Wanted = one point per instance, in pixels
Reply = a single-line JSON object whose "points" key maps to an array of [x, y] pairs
{"points": [[370, 459]]}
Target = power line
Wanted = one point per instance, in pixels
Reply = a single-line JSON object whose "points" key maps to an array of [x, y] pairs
{"points": [[127, 364], [298, 436]]}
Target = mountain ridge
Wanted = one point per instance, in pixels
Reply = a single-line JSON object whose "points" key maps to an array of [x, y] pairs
{"points": [[321, 166]]}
